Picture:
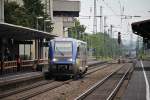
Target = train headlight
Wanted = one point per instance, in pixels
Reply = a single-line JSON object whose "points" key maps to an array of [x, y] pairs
{"points": [[70, 59], [55, 60]]}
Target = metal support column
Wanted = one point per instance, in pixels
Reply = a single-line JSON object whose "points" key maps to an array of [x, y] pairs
{"points": [[36, 49]]}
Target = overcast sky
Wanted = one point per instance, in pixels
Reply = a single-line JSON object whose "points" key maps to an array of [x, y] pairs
{"points": [[112, 10]]}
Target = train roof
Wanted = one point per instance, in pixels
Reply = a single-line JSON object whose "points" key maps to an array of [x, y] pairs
{"points": [[67, 39]]}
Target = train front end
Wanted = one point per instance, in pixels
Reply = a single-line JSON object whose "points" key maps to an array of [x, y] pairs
{"points": [[62, 59]]}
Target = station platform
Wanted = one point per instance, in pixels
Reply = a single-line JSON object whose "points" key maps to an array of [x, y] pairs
{"points": [[136, 89], [8, 82], [19, 77]]}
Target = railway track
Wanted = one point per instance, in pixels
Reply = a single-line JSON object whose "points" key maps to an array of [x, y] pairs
{"points": [[96, 65], [106, 88], [43, 86]]}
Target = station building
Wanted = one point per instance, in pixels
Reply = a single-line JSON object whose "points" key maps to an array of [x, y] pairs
{"points": [[64, 12]]}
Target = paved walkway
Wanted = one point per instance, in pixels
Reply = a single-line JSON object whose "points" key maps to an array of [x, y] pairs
{"points": [[138, 87], [19, 77]]}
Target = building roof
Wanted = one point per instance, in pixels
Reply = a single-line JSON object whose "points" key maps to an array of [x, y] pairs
{"points": [[22, 33], [142, 28], [68, 8]]}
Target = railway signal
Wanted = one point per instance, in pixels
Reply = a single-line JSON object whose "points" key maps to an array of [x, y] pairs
{"points": [[119, 42], [119, 38]]}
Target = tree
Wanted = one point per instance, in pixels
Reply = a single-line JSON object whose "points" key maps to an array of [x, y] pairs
{"points": [[33, 9], [77, 31], [101, 45], [26, 14], [15, 14]]}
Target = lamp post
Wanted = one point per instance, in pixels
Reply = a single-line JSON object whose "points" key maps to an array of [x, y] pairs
{"points": [[36, 41], [44, 40]]}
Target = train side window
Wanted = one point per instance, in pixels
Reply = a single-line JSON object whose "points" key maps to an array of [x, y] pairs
{"points": [[78, 52]]}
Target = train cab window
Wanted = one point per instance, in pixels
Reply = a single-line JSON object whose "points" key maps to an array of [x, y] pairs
{"points": [[63, 48]]}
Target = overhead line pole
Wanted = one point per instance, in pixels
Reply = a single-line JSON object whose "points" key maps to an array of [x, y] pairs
{"points": [[95, 19], [111, 35], [101, 19], [104, 35]]}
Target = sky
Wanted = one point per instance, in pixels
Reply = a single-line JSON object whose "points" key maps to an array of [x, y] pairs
{"points": [[112, 11]]}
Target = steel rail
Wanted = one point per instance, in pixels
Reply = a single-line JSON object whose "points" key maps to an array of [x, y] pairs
{"points": [[96, 65], [94, 69], [96, 85], [56, 86], [12, 92], [113, 93], [42, 91]]}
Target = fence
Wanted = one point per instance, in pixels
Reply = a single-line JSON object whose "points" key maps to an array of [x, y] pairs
{"points": [[25, 65]]}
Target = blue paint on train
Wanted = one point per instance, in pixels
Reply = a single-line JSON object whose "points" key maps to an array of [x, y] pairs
{"points": [[63, 52], [52, 51]]}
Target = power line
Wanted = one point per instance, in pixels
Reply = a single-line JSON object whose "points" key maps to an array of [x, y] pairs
{"points": [[110, 7]]}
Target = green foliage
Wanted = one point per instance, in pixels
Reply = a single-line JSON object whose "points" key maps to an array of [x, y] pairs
{"points": [[77, 30], [15, 14], [26, 14], [103, 45], [33, 9]]}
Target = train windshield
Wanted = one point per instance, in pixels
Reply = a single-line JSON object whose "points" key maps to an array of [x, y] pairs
{"points": [[63, 49]]}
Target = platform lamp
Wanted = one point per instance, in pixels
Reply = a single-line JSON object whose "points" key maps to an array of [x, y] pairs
{"points": [[45, 21]]}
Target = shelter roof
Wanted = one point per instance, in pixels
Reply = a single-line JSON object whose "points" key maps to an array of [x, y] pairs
{"points": [[22, 33], [142, 28]]}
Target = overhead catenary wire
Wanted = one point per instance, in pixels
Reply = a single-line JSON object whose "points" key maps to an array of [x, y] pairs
{"points": [[110, 7]]}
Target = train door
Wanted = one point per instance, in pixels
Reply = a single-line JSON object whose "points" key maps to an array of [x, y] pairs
{"points": [[79, 56], [84, 55]]}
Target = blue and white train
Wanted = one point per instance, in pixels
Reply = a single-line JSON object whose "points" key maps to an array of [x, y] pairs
{"points": [[67, 56]]}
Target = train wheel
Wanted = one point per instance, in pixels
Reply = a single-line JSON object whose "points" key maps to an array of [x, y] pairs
{"points": [[47, 75], [81, 75], [76, 76]]}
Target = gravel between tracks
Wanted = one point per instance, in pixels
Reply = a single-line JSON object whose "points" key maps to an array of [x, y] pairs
{"points": [[75, 88]]}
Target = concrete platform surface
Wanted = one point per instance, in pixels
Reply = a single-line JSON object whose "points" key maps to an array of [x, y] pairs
{"points": [[19, 77], [137, 88]]}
